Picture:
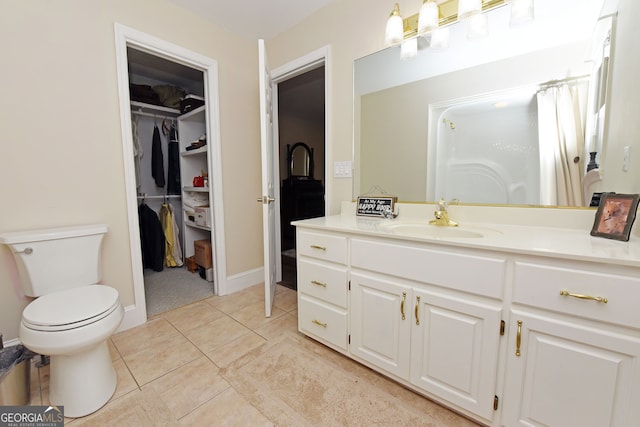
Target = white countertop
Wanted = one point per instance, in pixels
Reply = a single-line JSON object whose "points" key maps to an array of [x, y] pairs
{"points": [[566, 243]]}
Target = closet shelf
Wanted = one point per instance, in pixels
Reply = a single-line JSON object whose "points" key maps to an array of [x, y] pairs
{"points": [[197, 151], [194, 225], [197, 189], [193, 114], [137, 106]]}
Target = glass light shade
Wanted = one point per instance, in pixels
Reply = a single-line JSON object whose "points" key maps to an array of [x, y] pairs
{"points": [[409, 48], [467, 8], [521, 12], [478, 26], [440, 38], [428, 18], [394, 31]]}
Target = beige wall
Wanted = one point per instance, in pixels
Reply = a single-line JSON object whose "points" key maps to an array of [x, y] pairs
{"points": [[61, 160], [355, 28]]}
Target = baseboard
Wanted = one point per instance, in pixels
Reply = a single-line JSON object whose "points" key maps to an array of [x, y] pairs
{"points": [[244, 280], [132, 318]]}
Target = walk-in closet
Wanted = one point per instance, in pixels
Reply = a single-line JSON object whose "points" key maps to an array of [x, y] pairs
{"points": [[171, 158]]}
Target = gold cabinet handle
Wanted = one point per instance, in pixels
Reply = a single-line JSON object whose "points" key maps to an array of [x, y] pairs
{"points": [[404, 297], [587, 297], [322, 248], [315, 282], [417, 306], [519, 338], [319, 323]]}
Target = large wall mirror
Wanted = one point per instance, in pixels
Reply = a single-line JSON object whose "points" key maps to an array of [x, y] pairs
{"points": [[476, 121]]}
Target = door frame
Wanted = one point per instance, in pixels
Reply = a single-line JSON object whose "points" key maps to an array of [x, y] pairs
{"points": [[301, 65], [125, 37]]}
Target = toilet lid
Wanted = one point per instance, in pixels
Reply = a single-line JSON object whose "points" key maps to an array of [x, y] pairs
{"points": [[70, 308]]}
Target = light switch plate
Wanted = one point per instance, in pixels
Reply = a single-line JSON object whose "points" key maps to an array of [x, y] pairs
{"points": [[626, 158], [342, 169]]}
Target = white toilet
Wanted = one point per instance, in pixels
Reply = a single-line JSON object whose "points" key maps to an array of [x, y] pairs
{"points": [[72, 316]]}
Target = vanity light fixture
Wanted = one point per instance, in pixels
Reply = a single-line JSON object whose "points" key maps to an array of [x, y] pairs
{"points": [[429, 16], [435, 15], [521, 12], [409, 48], [395, 27], [469, 8]]}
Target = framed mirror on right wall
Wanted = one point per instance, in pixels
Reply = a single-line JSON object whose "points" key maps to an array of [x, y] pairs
{"points": [[478, 122]]}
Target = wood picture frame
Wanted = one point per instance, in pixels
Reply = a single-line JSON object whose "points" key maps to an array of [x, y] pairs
{"points": [[615, 216]]}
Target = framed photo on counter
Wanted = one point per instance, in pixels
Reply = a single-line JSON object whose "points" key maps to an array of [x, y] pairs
{"points": [[615, 216]]}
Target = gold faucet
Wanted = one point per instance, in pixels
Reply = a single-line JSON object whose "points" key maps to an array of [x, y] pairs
{"points": [[442, 216]]}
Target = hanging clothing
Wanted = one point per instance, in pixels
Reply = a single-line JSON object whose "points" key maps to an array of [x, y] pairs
{"points": [[157, 160], [173, 174], [138, 153], [152, 238], [172, 252]]}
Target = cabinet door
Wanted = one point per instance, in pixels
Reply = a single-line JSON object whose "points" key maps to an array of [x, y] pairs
{"points": [[381, 323], [455, 349], [570, 375]]}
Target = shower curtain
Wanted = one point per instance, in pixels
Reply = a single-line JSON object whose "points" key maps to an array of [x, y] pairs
{"points": [[561, 145]]}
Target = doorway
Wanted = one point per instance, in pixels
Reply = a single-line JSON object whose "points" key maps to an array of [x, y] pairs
{"points": [[302, 154], [137, 52]]}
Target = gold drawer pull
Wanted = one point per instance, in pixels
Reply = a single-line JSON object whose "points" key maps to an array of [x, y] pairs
{"points": [[404, 297], [315, 282], [319, 323], [417, 306], [519, 338], [322, 248], [588, 297]]}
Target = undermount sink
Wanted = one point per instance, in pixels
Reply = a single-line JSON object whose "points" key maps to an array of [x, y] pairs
{"points": [[424, 229]]}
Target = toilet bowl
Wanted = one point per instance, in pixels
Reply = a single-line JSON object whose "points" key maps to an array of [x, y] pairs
{"points": [[72, 316]]}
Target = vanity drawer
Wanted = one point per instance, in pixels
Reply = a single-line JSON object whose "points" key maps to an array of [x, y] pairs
{"points": [[323, 281], [477, 274], [328, 247], [539, 285], [322, 321]]}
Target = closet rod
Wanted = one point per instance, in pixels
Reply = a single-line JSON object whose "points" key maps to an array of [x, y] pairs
{"points": [[155, 116], [170, 196]]}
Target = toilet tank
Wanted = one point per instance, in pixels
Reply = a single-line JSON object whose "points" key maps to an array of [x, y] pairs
{"points": [[55, 259]]}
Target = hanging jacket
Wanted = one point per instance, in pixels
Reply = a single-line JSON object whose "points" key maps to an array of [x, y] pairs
{"points": [[173, 173], [157, 160], [171, 238], [151, 238]]}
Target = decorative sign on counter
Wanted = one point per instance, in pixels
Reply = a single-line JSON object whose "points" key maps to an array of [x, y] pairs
{"points": [[615, 216], [375, 206]]}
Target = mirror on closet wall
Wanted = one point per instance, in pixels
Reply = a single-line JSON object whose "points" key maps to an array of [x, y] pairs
{"points": [[466, 122], [168, 115]]}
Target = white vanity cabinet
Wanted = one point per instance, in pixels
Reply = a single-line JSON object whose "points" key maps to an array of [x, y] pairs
{"points": [[446, 318], [322, 287], [409, 318], [573, 359]]}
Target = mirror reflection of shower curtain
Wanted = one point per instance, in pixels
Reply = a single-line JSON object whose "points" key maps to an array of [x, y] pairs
{"points": [[561, 144]]}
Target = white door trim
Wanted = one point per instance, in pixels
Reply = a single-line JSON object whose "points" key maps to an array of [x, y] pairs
{"points": [[298, 66], [125, 36]]}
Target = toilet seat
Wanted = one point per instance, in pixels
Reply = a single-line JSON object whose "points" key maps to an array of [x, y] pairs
{"points": [[71, 308]]}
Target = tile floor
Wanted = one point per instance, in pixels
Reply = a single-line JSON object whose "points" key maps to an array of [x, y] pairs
{"points": [[168, 368]]}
